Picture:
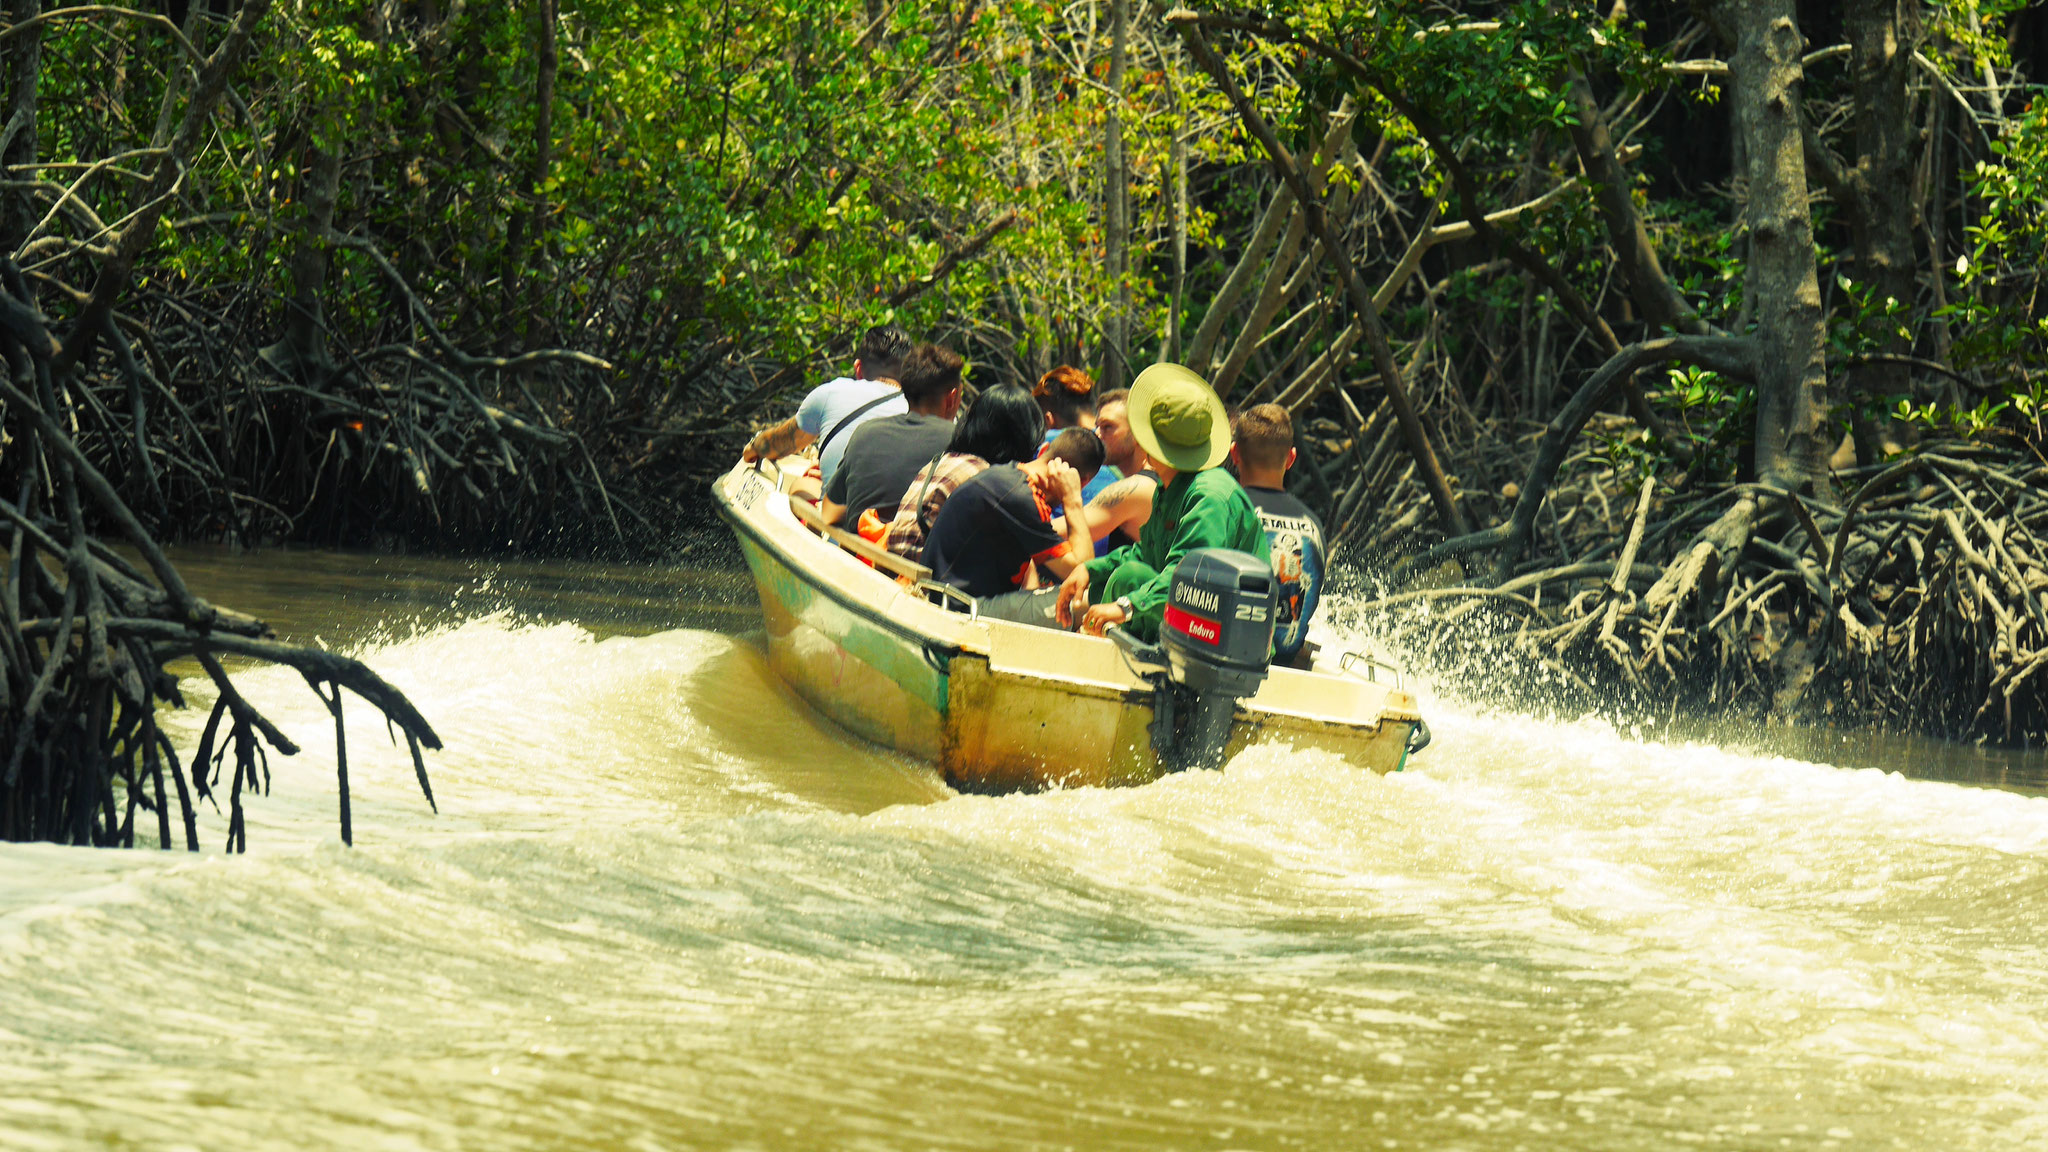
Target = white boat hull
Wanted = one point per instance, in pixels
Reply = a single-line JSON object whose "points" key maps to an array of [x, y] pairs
{"points": [[1001, 707]]}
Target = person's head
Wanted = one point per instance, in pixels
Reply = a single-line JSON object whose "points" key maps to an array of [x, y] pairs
{"points": [[1113, 424], [1001, 426], [882, 352], [1080, 448], [1178, 419], [1264, 445], [1068, 397], [931, 380]]}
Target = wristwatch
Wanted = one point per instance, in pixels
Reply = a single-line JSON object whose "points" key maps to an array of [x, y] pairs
{"points": [[1124, 603]]}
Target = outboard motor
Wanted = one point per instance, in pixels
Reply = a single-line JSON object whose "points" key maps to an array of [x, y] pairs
{"points": [[1215, 645]]}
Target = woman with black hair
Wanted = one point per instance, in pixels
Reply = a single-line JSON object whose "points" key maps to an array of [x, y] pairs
{"points": [[1001, 428]]}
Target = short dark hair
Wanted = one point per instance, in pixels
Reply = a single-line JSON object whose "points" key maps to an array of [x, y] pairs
{"points": [[1065, 393], [1080, 448], [1113, 396], [882, 352], [928, 373], [1264, 434], [1002, 426]]}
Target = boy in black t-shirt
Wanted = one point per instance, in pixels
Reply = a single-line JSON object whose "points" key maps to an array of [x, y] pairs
{"points": [[996, 526], [1263, 452]]}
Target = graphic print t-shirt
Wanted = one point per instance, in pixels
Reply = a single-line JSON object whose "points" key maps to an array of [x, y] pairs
{"points": [[1294, 538]]}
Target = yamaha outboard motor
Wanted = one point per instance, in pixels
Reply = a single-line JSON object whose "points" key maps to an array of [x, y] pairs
{"points": [[1215, 645]]}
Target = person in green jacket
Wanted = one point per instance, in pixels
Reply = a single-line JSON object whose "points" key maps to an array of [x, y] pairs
{"points": [[1180, 424]]}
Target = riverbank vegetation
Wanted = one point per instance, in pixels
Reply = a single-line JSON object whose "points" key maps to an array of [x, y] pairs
{"points": [[88, 631], [1680, 358]]}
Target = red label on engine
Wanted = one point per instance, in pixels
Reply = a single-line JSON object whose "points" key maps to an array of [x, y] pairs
{"points": [[1195, 627]]}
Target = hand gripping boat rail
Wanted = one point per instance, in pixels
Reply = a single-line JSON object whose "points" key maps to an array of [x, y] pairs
{"points": [[1003, 707]]}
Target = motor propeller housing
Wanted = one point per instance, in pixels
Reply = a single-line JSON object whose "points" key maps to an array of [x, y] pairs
{"points": [[1216, 643]]}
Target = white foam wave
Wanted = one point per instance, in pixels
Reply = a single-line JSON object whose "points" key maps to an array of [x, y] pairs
{"points": [[660, 886]]}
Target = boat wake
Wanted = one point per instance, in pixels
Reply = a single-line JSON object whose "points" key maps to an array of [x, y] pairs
{"points": [[662, 902]]}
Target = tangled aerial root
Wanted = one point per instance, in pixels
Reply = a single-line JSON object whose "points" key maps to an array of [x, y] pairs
{"points": [[1921, 603], [86, 636]]}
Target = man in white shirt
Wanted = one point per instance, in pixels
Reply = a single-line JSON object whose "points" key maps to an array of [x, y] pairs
{"points": [[833, 410]]}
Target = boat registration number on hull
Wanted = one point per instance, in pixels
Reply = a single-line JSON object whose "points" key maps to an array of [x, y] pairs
{"points": [[753, 486]]}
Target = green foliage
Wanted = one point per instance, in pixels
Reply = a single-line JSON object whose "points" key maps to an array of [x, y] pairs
{"points": [[1867, 324], [1706, 260], [1500, 75], [1973, 32], [2016, 412], [770, 171], [1711, 413], [2009, 242], [766, 170]]}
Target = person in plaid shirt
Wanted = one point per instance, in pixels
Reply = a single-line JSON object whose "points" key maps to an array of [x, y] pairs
{"points": [[1001, 428]]}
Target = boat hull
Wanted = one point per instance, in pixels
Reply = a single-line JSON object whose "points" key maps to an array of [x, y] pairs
{"points": [[1001, 707], [875, 681]]}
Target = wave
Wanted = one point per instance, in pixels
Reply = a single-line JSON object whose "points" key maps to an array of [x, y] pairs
{"points": [[663, 902]]}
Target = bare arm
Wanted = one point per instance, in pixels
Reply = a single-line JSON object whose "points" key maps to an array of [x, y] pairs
{"points": [[832, 511], [776, 442], [1124, 504], [1080, 550], [1073, 599], [1080, 546]]}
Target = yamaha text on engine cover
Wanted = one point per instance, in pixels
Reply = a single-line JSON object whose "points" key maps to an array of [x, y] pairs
{"points": [[1215, 645]]}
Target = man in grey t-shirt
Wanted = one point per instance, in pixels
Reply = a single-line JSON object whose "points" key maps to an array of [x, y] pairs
{"points": [[833, 410], [884, 455]]}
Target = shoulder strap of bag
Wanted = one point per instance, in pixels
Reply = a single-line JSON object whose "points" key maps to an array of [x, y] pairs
{"points": [[850, 417], [931, 473]]}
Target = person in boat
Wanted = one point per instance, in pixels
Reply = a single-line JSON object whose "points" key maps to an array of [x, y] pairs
{"points": [[1067, 395], [1001, 427], [1182, 429], [833, 410], [996, 530], [1263, 451], [884, 453], [1117, 511]]}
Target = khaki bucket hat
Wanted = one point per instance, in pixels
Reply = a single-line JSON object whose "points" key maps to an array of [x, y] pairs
{"points": [[1178, 418]]}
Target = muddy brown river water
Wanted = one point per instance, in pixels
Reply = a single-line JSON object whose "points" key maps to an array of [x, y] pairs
{"points": [[664, 906]]}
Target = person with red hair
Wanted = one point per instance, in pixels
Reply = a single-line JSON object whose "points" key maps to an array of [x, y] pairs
{"points": [[1067, 396]]}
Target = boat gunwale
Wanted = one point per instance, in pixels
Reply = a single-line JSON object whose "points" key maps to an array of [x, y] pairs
{"points": [[932, 642]]}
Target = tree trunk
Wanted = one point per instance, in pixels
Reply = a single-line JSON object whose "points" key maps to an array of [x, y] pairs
{"points": [[1663, 308], [1279, 214], [1174, 320], [1449, 515], [24, 73], [531, 219], [1266, 306], [302, 354], [1884, 216], [1792, 442], [1116, 208]]}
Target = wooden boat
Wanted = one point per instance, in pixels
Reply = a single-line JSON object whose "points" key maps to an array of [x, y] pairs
{"points": [[998, 706]]}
